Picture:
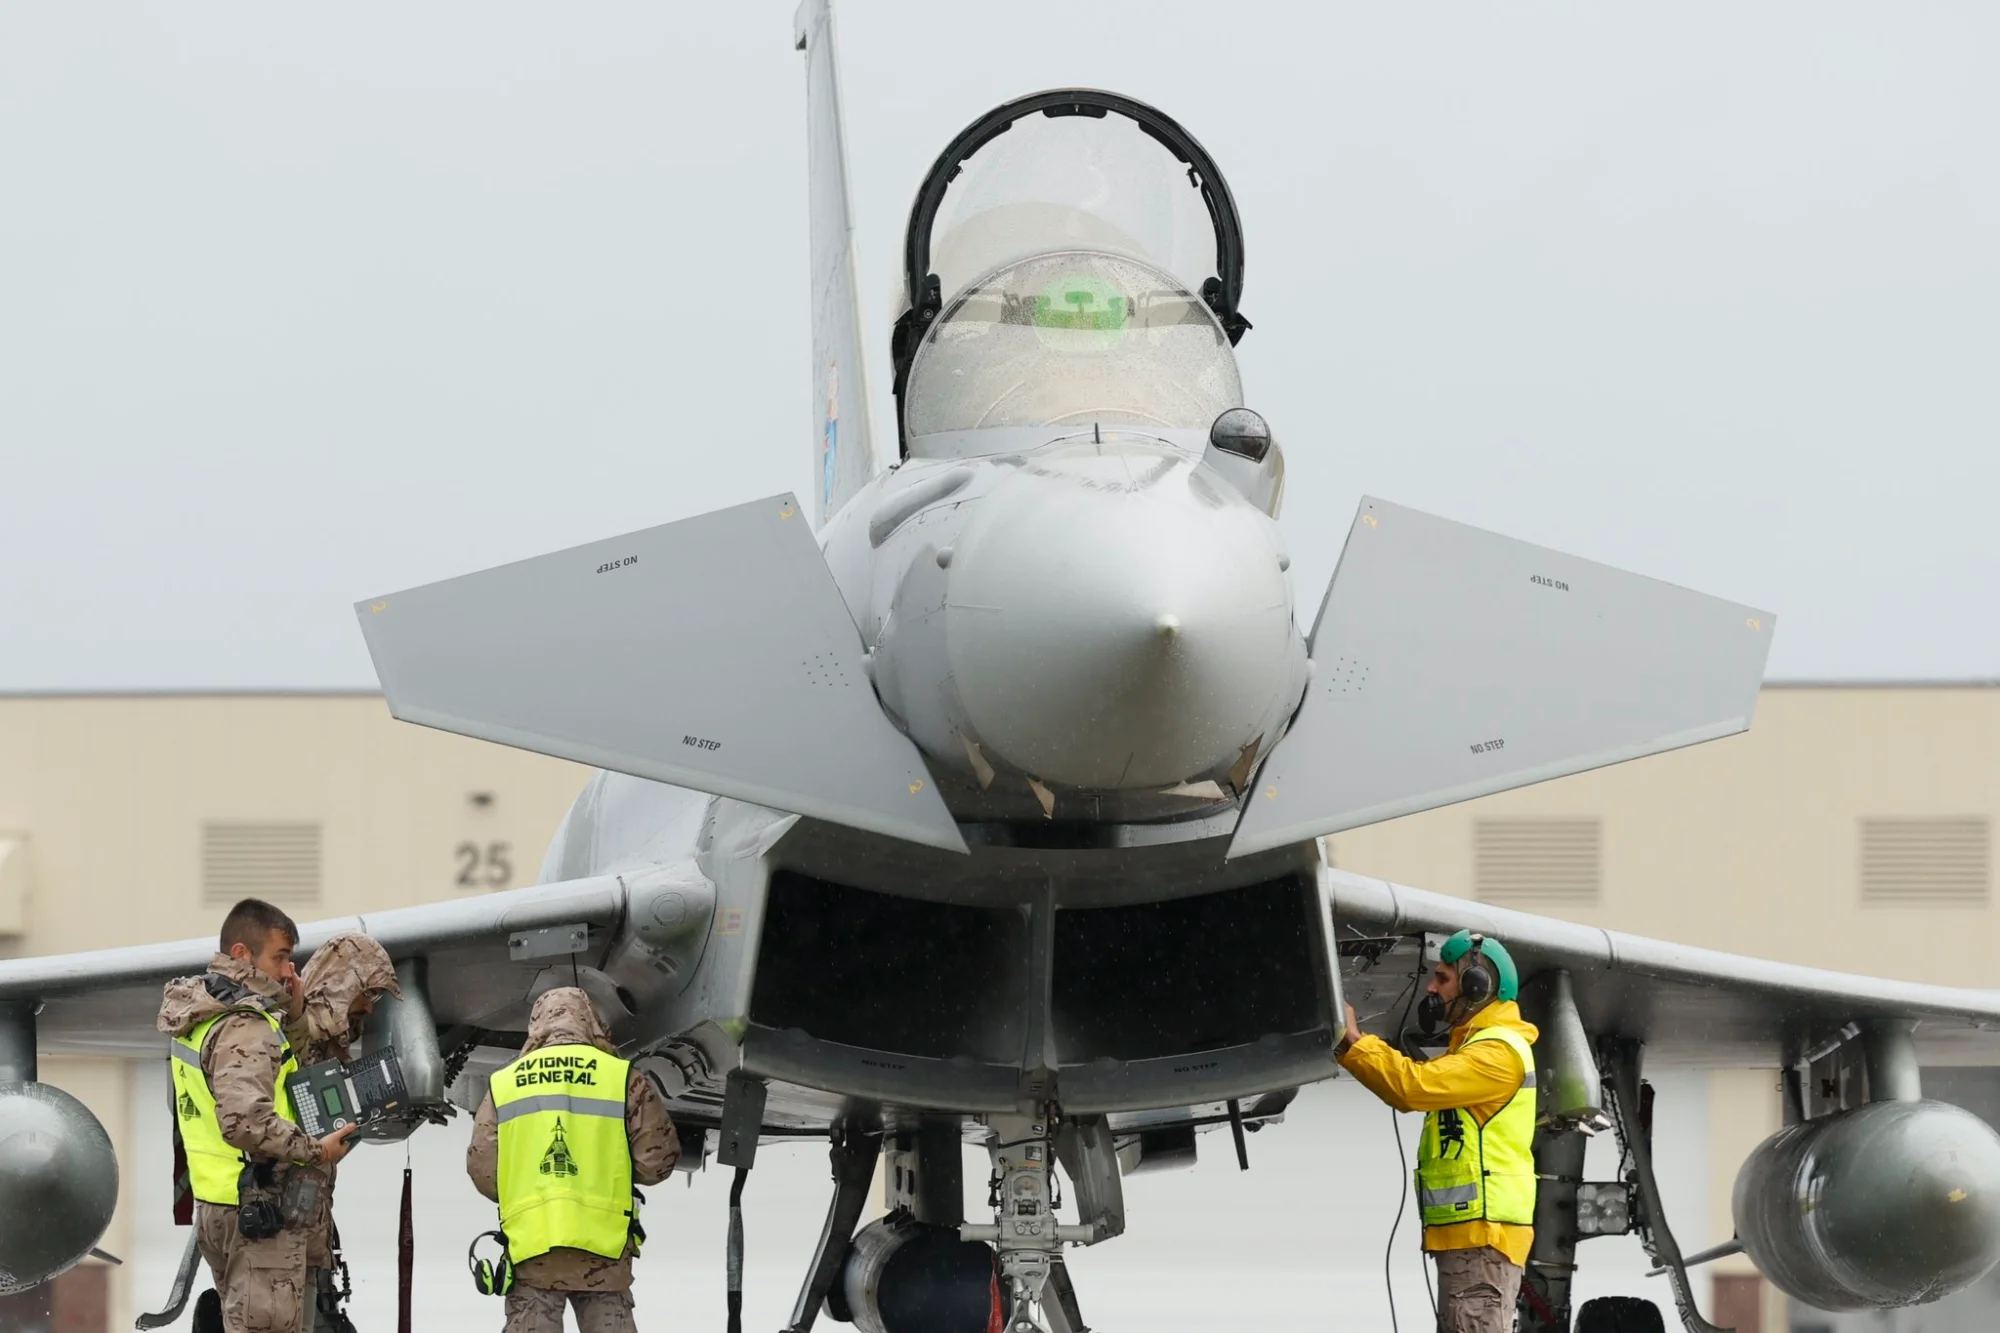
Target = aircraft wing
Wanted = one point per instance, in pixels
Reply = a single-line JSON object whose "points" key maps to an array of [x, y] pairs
{"points": [[1692, 1007], [1450, 663], [714, 653], [1695, 1008], [105, 1002]]}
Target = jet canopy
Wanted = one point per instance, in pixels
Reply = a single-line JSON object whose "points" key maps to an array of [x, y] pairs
{"points": [[1084, 245], [1074, 337]]}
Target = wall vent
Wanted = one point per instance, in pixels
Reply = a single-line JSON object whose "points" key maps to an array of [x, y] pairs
{"points": [[279, 863], [1531, 861], [1933, 862]]}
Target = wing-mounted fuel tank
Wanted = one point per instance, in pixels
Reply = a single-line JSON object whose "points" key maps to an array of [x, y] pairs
{"points": [[1073, 587], [1889, 1202], [58, 1170], [1886, 1205]]}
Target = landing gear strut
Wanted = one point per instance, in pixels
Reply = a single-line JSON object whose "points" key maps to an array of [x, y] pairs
{"points": [[853, 1157], [1623, 1057], [1579, 1083], [1024, 1232]]}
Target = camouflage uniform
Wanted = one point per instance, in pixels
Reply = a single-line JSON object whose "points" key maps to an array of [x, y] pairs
{"points": [[599, 1289], [342, 970], [261, 1282]]}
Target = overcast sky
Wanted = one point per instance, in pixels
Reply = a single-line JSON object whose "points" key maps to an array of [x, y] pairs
{"points": [[298, 307]]}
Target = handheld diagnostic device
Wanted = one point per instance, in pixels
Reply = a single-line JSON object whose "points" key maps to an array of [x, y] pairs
{"points": [[360, 1092]]}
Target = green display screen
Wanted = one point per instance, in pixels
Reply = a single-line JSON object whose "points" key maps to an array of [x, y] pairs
{"points": [[330, 1099]]}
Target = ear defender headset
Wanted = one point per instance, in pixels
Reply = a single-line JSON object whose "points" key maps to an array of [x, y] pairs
{"points": [[1486, 971], [492, 1279], [1475, 975]]}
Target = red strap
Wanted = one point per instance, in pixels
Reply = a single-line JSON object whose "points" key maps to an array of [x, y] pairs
{"points": [[406, 1255], [1543, 1311], [183, 1186], [995, 1321]]}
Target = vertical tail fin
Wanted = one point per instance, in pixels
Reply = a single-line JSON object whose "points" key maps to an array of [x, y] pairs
{"points": [[843, 447]]}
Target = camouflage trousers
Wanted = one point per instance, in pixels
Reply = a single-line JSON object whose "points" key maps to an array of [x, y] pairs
{"points": [[262, 1282], [1476, 1291], [537, 1310]]}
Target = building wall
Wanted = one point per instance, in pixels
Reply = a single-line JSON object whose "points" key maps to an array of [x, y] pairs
{"points": [[1750, 844], [1744, 1109], [104, 800], [114, 793]]}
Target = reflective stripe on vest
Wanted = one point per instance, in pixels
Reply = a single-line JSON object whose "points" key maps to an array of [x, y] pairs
{"points": [[565, 1160], [213, 1165], [1469, 1172]]}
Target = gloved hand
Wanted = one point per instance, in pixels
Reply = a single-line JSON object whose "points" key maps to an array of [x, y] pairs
{"points": [[336, 1145]]}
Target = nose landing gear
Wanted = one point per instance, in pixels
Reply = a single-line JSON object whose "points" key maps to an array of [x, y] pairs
{"points": [[1025, 1233]]}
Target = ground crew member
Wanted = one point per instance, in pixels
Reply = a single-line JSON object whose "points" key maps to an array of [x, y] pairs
{"points": [[341, 983], [564, 1135], [1475, 1162], [230, 1056]]}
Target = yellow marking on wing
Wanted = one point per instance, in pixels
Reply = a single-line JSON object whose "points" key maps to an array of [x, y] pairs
{"points": [[1957, 1196], [379, 607], [916, 787], [1369, 519], [1754, 623]]}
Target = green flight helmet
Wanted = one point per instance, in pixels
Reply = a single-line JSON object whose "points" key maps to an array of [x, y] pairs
{"points": [[1494, 952]]}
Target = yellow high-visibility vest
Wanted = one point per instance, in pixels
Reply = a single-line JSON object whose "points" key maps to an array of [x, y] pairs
{"points": [[565, 1160], [213, 1165], [1469, 1172]]}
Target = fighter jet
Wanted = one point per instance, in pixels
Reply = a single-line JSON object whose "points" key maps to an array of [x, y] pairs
{"points": [[979, 796]]}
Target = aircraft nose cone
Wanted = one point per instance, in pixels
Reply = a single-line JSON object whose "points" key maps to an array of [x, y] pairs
{"points": [[1117, 623]]}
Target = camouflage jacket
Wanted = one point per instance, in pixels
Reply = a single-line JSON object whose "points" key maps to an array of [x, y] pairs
{"points": [[339, 972], [241, 1055], [565, 1017]]}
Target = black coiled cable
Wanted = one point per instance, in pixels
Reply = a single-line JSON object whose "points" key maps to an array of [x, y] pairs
{"points": [[1403, 1177]]}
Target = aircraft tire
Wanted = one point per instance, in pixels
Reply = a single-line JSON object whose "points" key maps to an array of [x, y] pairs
{"points": [[1620, 1314]]}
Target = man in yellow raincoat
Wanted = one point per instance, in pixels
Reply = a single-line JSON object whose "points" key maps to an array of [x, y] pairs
{"points": [[1475, 1163]]}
